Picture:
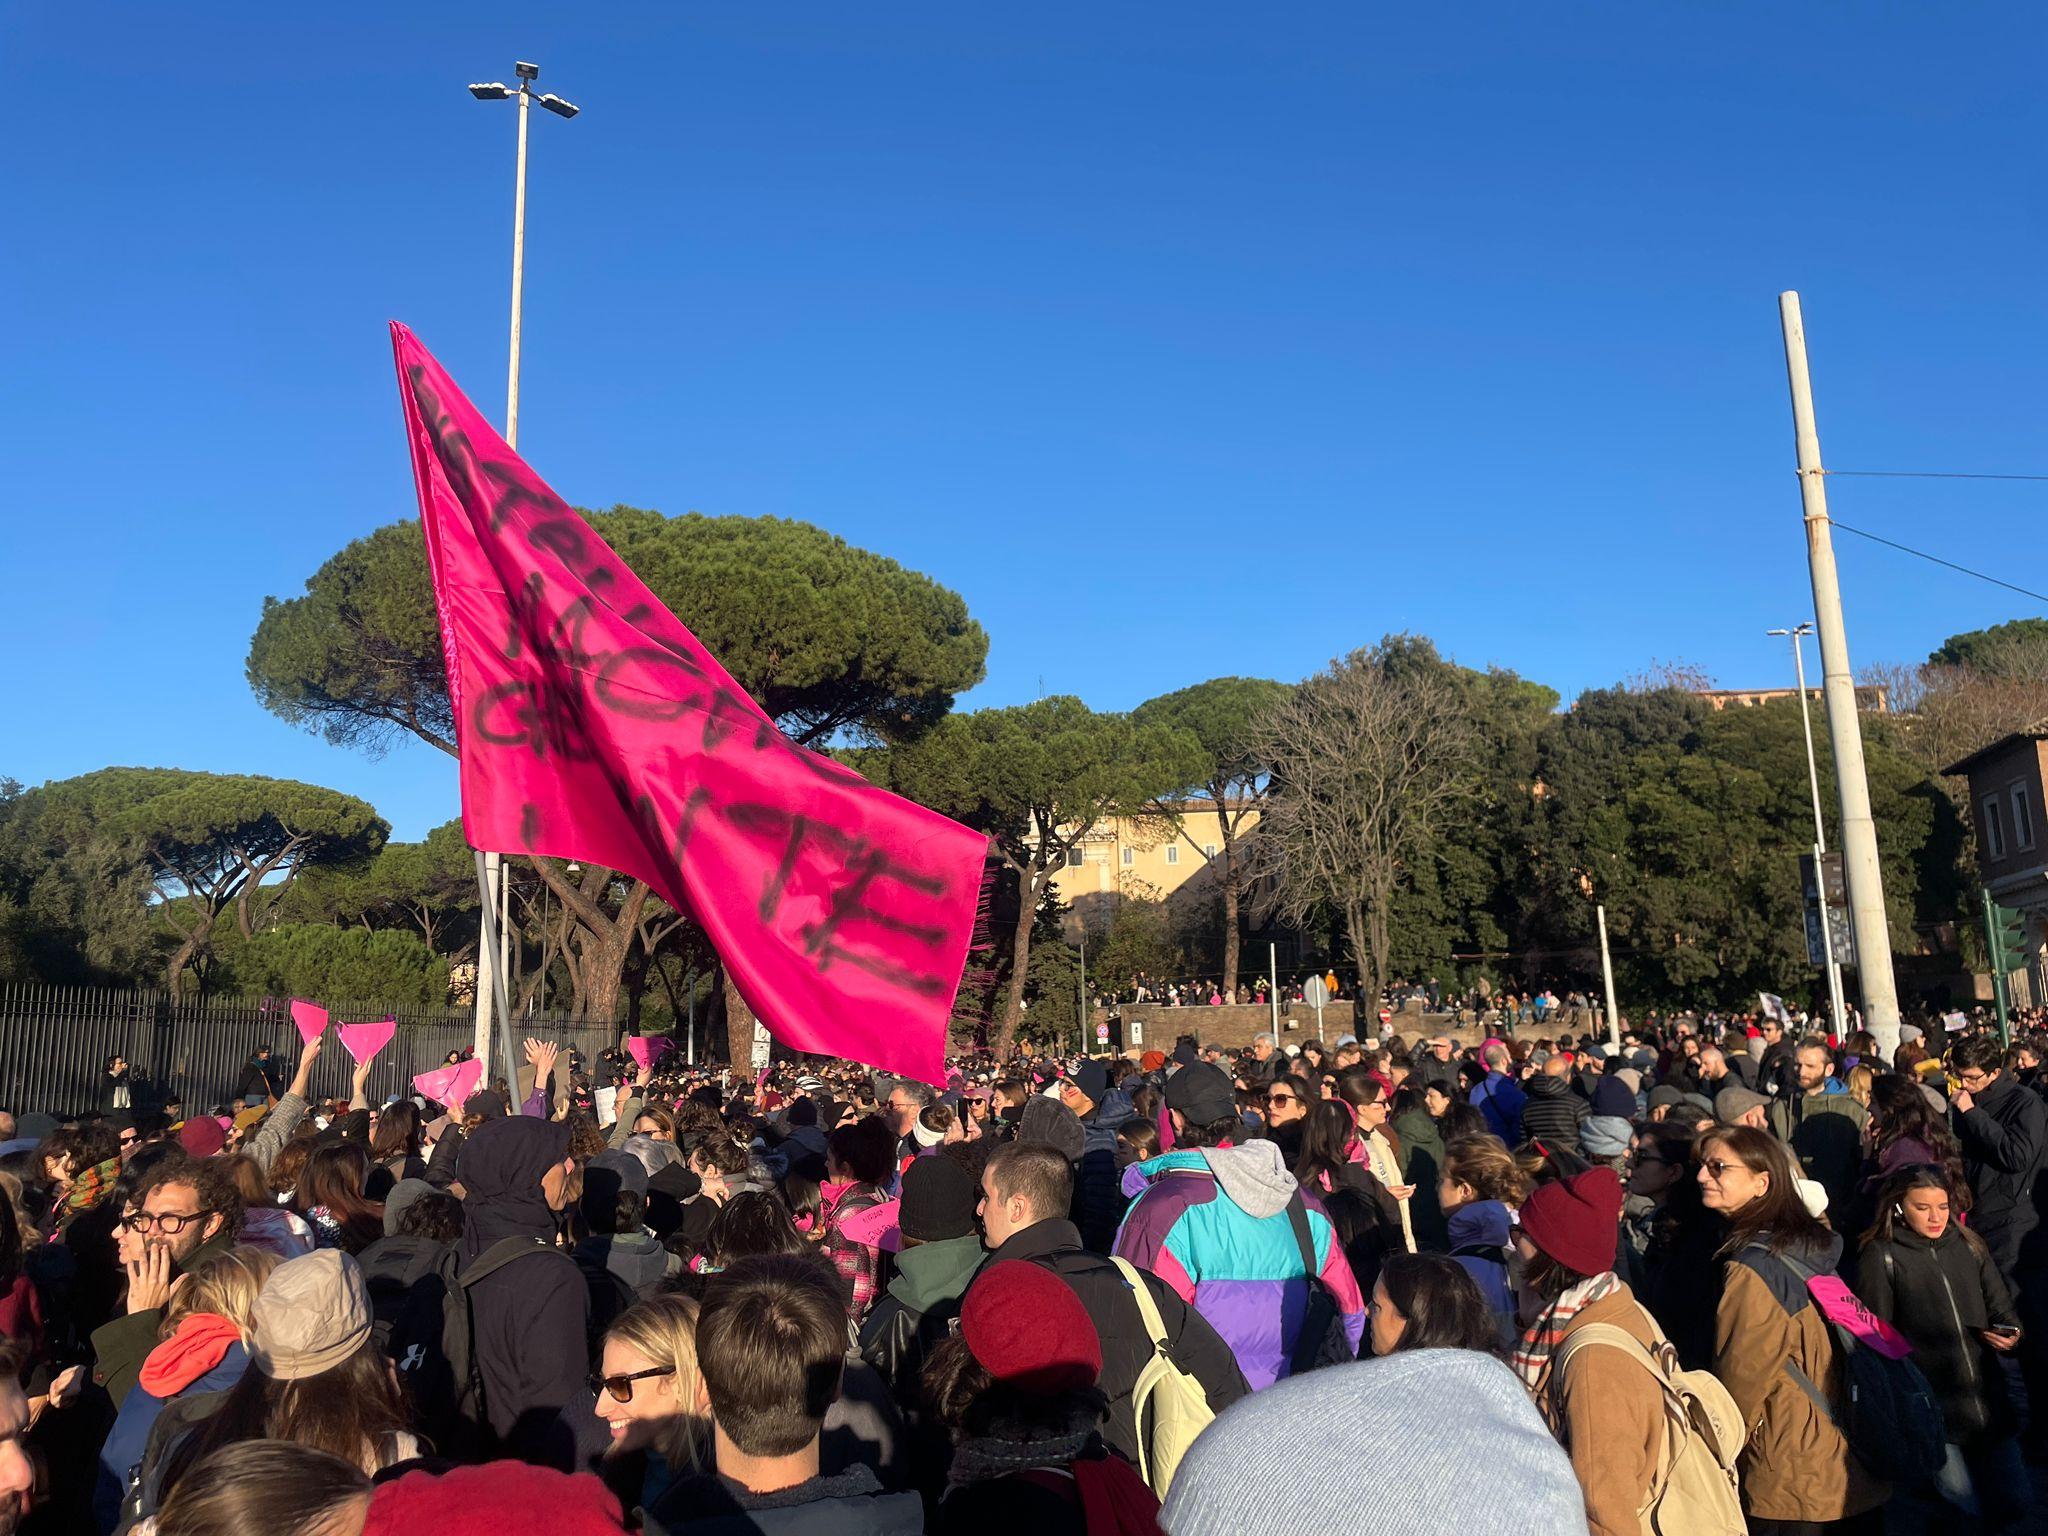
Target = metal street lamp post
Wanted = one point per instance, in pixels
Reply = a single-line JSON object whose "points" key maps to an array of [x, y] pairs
{"points": [[493, 968], [1820, 831]]}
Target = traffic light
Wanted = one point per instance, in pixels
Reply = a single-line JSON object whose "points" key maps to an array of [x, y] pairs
{"points": [[2006, 932], [2005, 935]]}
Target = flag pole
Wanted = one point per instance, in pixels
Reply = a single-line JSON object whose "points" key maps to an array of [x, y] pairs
{"points": [[488, 941]]}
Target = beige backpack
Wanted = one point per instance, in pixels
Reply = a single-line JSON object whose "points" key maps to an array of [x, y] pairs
{"points": [[1695, 1491], [1170, 1406]]}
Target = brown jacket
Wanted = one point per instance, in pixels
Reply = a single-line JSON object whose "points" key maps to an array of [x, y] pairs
{"points": [[1612, 1414], [1796, 1465]]}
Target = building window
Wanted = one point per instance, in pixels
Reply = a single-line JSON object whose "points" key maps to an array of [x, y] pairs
{"points": [[2022, 817], [1173, 853], [1130, 857], [1208, 850], [1076, 858], [1994, 829]]}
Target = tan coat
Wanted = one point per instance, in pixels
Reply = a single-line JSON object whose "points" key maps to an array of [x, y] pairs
{"points": [[1612, 1414], [1796, 1465]]}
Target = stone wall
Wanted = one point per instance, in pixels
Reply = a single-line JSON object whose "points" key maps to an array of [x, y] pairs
{"points": [[1139, 1027]]}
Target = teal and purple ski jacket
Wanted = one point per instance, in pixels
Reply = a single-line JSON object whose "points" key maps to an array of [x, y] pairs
{"points": [[1212, 1223]]}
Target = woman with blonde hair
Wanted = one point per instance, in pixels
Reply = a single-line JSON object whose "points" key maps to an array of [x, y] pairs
{"points": [[202, 1346], [648, 1390], [316, 1378]]}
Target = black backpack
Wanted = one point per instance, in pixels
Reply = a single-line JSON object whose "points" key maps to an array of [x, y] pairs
{"points": [[1889, 1414], [434, 1347]]}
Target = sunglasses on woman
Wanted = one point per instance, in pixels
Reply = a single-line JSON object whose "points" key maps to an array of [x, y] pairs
{"points": [[620, 1388]]}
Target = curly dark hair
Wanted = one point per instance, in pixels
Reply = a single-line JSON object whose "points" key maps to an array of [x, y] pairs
{"points": [[206, 1177]]}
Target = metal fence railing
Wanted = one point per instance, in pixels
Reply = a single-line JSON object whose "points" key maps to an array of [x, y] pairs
{"points": [[55, 1042]]}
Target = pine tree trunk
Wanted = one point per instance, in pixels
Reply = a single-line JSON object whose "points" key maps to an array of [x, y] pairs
{"points": [[739, 1027], [1232, 939], [1020, 955]]}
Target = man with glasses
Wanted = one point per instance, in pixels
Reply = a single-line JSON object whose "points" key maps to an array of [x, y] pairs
{"points": [[184, 1211], [2003, 1128]]}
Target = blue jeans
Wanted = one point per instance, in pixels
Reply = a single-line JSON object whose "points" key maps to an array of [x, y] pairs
{"points": [[1988, 1481]]}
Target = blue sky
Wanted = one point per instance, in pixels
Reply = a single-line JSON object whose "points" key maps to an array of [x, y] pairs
{"points": [[1181, 340]]}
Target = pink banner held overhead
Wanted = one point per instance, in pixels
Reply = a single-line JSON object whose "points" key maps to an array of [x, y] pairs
{"points": [[593, 725], [310, 1017]]}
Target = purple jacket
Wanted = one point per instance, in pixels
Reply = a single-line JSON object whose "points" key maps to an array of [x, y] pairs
{"points": [[1212, 1223]]}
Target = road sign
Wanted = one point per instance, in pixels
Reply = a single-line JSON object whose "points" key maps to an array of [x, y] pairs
{"points": [[1137, 1031], [1102, 1034], [762, 1045], [1316, 993], [1838, 910]]}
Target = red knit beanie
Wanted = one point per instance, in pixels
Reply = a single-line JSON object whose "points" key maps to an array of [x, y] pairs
{"points": [[1577, 1221], [506, 1498], [1029, 1330]]}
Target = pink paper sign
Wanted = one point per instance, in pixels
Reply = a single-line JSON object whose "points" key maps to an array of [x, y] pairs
{"points": [[878, 1226], [310, 1017], [593, 725], [641, 1049], [362, 1041], [451, 1085]]}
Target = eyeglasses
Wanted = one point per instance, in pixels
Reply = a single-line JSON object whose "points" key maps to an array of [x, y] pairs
{"points": [[1973, 1079], [620, 1388], [129, 1138], [170, 1223], [1717, 1168], [1281, 1098]]}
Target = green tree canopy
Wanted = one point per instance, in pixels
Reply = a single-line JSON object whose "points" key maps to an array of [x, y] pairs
{"points": [[384, 969], [424, 886], [74, 900], [1688, 825], [827, 637], [213, 842], [1998, 650]]}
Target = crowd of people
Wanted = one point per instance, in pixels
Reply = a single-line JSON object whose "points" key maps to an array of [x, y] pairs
{"points": [[1693, 1281]]}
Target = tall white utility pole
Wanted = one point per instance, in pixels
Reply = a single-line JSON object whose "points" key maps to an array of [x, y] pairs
{"points": [[1820, 829], [1607, 976], [1860, 868], [494, 961]]}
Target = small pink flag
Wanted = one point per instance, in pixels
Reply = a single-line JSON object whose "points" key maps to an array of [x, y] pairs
{"points": [[311, 1019], [879, 1226], [362, 1041], [641, 1049], [451, 1085]]}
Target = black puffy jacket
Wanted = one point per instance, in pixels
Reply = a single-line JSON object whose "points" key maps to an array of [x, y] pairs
{"points": [[1553, 1112], [1941, 1294], [2004, 1136]]}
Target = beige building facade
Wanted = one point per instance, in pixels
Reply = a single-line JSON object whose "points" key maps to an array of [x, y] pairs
{"points": [[1142, 859]]}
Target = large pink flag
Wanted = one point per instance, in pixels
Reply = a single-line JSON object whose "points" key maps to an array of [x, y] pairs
{"points": [[593, 725]]}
